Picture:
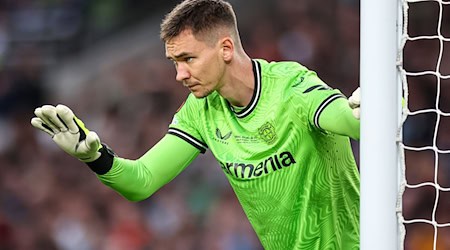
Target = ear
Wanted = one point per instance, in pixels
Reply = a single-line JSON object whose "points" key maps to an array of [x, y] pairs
{"points": [[227, 49]]}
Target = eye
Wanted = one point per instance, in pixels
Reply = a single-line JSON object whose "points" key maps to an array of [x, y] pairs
{"points": [[189, 59]]}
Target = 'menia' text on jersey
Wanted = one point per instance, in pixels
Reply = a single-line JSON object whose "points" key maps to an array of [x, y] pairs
{"points": [[248, 170]]}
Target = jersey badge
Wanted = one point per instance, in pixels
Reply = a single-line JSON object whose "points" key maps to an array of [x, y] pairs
{"points": [[267, 133]]}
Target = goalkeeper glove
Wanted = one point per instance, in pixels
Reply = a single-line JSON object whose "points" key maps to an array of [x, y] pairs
{"points": [[354, 102], [70, 134]]}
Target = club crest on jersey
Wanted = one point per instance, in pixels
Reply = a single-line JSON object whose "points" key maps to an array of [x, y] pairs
{"points": [[267, 133]]}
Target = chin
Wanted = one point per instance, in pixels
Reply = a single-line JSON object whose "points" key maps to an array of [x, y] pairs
{"points": [[201, 94]]}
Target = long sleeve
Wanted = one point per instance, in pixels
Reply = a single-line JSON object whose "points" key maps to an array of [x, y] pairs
{"points": [[138, 179], [337, 118]]}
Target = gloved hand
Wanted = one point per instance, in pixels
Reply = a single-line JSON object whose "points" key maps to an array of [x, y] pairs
{"points": [[68, 132], [354, 102]]}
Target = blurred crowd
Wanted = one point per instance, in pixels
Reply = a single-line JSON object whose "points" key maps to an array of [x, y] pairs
{"points": [[49, 200]]}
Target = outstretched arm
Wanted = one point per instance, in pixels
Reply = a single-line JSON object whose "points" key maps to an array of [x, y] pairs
{"points": [[134, 179], [138, 179]]}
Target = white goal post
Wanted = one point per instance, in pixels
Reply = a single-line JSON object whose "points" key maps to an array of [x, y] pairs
{"points": [[379, 124], [387, 80]]}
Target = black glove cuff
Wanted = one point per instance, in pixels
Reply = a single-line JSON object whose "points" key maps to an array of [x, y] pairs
{"points": [[104, 163]]}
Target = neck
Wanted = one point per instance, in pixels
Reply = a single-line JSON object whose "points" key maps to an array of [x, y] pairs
{"points": [[239, 82]]}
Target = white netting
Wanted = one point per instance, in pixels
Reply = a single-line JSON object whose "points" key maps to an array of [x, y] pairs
{"points": [[424, 144]]}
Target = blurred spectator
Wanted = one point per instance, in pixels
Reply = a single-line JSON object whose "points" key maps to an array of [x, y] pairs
{"points": [[22, 86]]}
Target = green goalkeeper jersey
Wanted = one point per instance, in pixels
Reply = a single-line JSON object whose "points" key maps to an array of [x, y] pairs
{"points": [[297, 183]]}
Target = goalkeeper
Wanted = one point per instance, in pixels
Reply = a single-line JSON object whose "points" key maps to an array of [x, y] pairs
{"points": [[280, 134]]}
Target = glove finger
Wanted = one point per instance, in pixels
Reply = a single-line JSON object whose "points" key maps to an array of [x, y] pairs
{"points": [[90, 144], [39, 124], [356, 113], [40, 113], [50, 113], [355, 99], [67, 117], [352, 104], [92, 141]]}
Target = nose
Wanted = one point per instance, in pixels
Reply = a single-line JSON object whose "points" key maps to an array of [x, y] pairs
{"points": [[182, 73]]}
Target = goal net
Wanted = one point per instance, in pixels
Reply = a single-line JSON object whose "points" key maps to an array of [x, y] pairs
{"points": [[423, 207]]}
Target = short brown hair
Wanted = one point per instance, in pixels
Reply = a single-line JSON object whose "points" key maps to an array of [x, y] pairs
{"points": [[201, 16]]}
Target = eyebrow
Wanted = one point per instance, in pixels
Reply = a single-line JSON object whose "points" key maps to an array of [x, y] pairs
{"points": [[181, 55]]}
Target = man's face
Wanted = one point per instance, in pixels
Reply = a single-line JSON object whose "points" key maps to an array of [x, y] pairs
{"points": [[199, 65]]}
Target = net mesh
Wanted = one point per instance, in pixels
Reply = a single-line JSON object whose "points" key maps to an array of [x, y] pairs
{"points": [[424, 136]]}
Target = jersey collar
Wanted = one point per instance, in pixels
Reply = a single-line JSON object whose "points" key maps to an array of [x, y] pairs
{"points": [[256, 93]]}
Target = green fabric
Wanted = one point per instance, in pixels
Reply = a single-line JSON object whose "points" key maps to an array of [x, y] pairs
{"points": [[287, 156], [338, 118], [138, 179]]}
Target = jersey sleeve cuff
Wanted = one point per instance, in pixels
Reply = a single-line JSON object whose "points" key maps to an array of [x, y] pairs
{"points": [[189, 139], [104, 163]]}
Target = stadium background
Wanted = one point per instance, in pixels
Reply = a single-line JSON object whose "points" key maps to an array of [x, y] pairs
{"points": [[105, 61]]}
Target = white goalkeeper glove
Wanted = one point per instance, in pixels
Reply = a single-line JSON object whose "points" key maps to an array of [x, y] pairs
{"points": [[68, 132], [354, 102]]}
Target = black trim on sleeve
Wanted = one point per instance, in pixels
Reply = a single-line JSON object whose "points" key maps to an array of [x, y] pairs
{"points": [[312, 88], [189, 139], [104, 163], [323, 105]]}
